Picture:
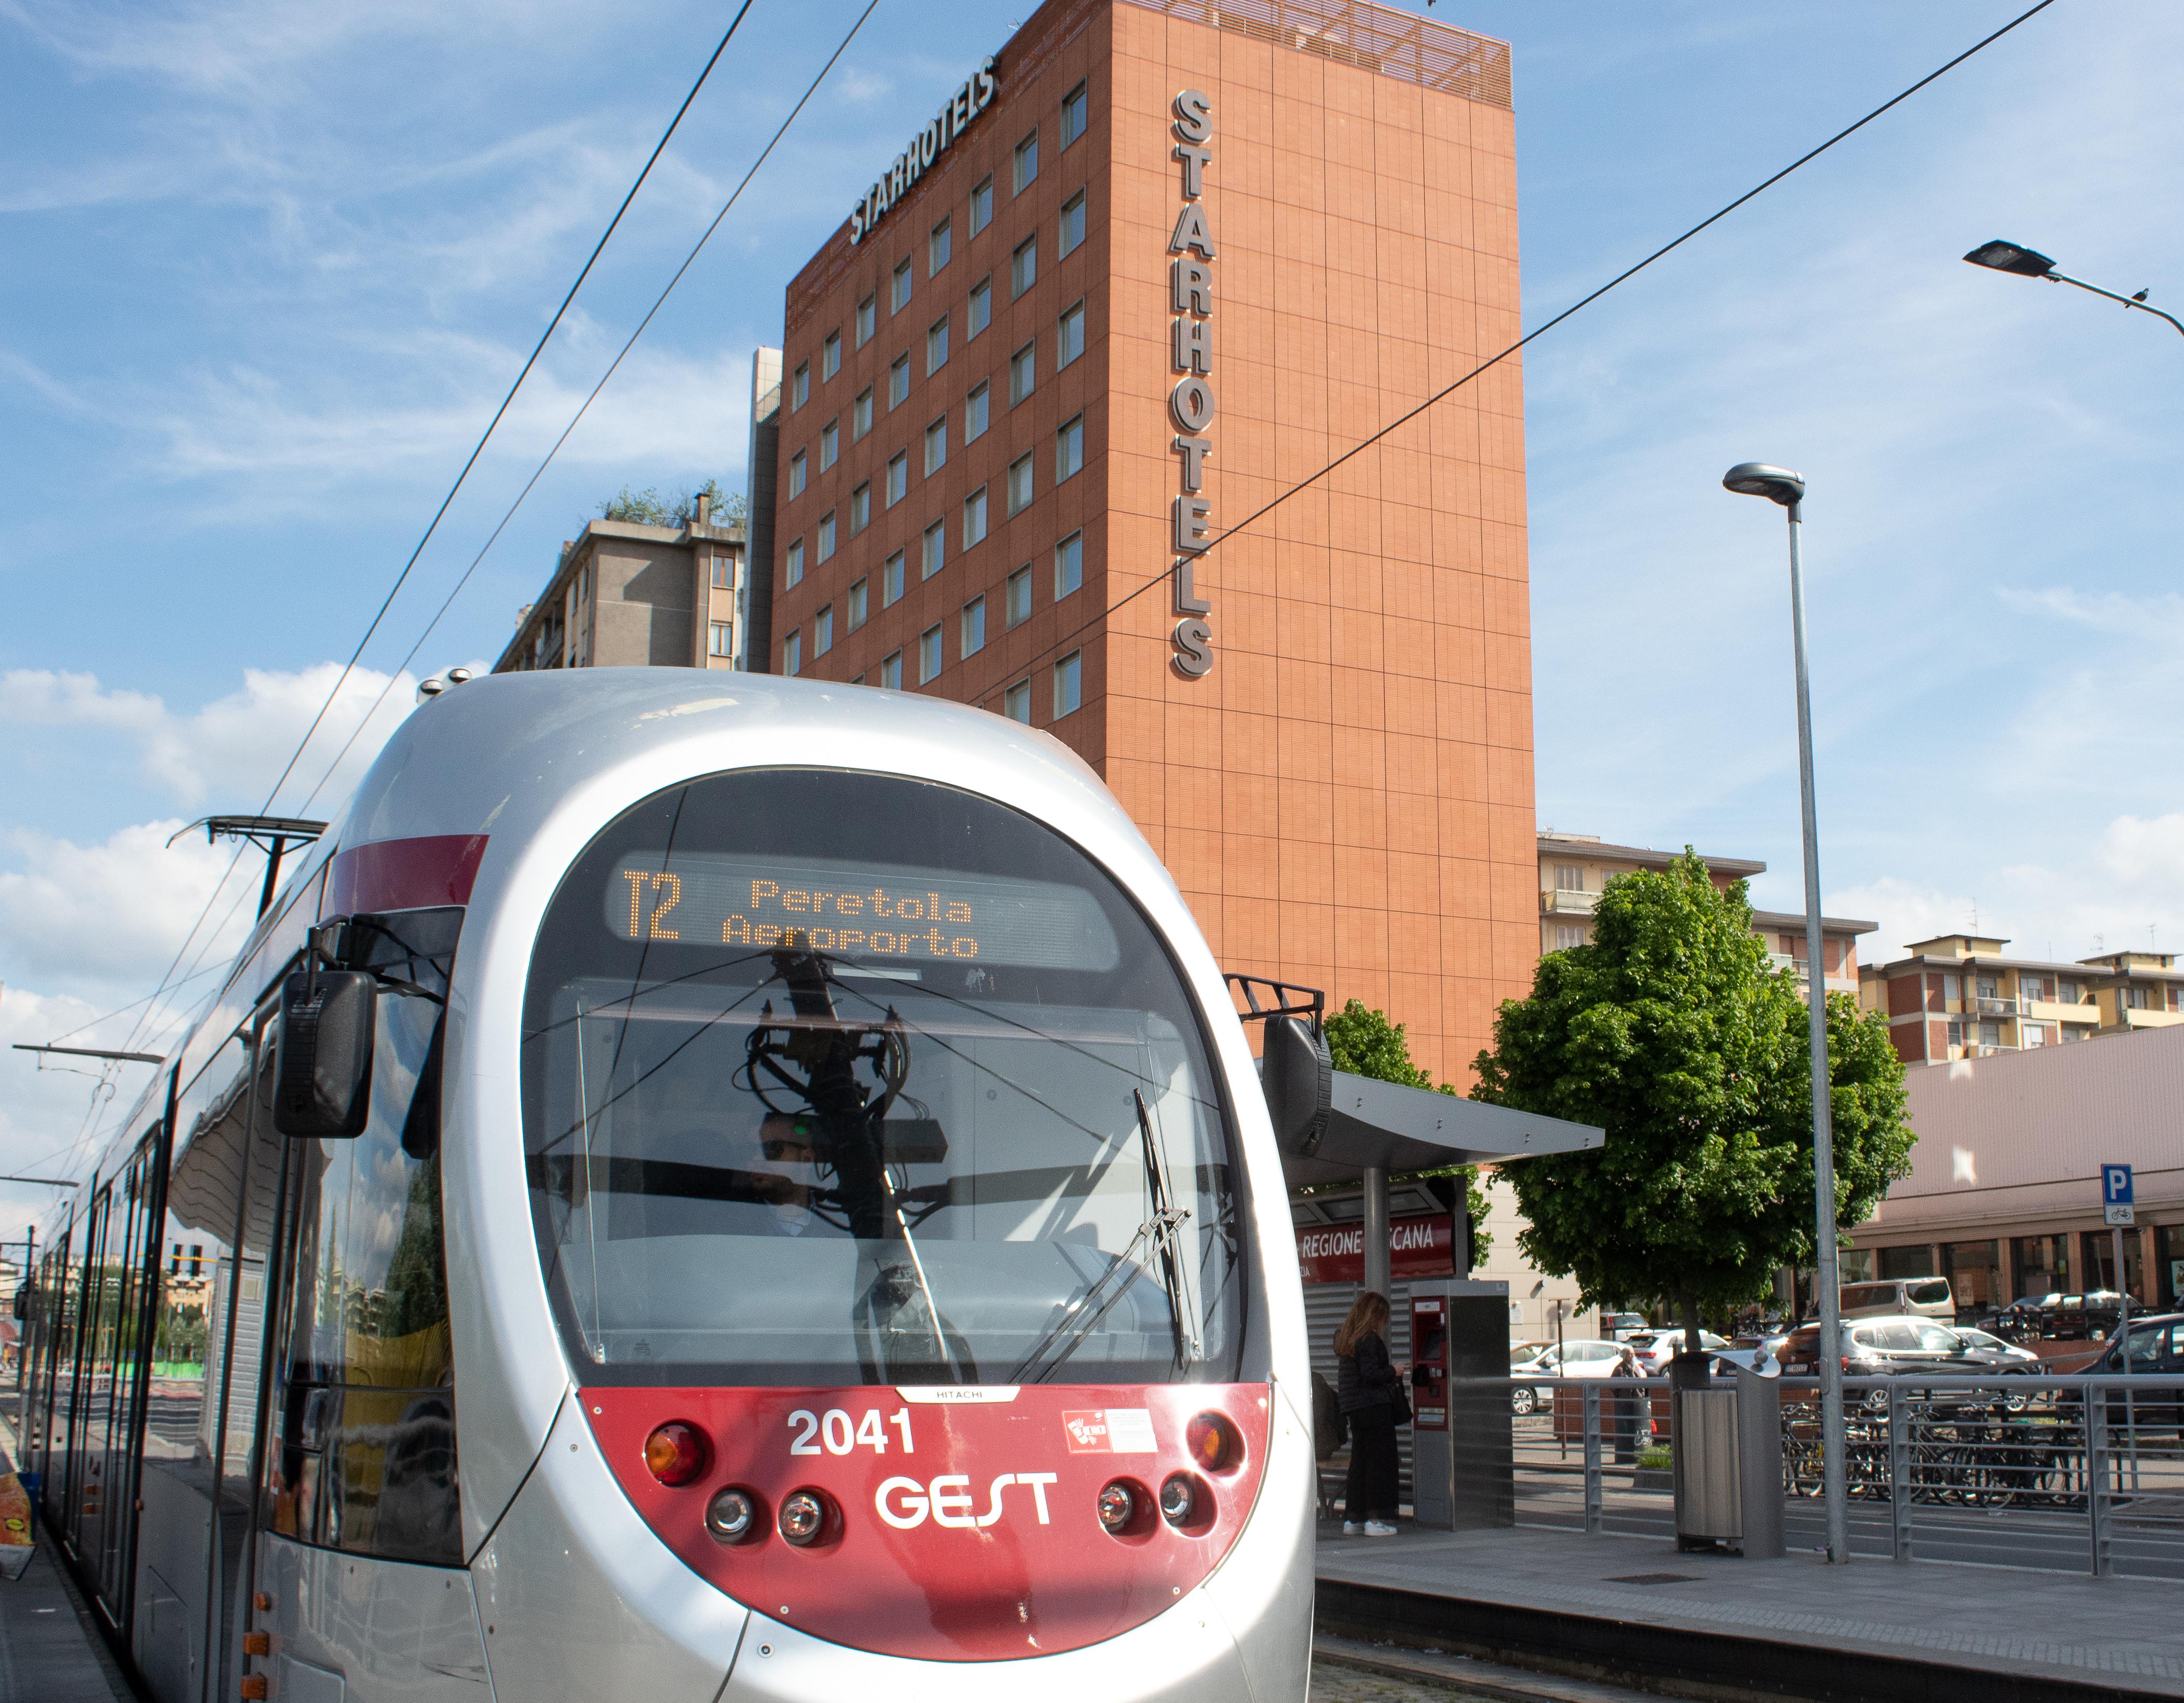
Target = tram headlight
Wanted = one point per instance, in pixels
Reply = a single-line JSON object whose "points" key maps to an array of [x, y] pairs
{"points": [[1179, 1498], [731, 1516], [803, 1518], [1118, 1507], [677, 1453], [1214, 1442]]}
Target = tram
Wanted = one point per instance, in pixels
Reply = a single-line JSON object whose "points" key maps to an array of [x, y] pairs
{"points": [[697, 1187]]}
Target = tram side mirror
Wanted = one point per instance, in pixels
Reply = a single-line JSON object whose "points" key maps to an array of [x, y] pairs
{"points": [[1296, 1072], [322, 1073]]}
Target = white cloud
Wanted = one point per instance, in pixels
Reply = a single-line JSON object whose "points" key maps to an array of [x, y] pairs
{"points": [[234, 746]]}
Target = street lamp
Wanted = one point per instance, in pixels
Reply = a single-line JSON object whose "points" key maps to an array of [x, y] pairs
{"points": [[1780, 485], [2030, 263]]}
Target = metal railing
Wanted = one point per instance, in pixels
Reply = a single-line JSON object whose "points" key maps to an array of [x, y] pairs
{"points": [[2064, 1473]]}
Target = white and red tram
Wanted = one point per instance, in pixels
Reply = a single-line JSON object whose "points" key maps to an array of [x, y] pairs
{"points": [[762, 1195]]}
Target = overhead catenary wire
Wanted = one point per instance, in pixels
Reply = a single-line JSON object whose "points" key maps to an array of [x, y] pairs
{"points": [[438, 514], [585, 406], [1537, 331]]}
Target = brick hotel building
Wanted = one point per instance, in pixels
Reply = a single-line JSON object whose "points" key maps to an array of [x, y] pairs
{"points": [[1150, 266]]}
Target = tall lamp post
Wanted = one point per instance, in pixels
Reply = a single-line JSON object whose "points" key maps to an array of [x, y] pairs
{"points": [[1779, 485], [2016, 258]]}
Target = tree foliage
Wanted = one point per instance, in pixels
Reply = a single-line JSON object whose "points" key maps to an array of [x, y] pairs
{"points": [[1672, 1033], [1365, 1043], [648, 508]]}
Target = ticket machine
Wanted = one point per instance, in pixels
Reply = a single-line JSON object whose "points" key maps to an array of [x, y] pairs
{"points": [[1462, 1449]]}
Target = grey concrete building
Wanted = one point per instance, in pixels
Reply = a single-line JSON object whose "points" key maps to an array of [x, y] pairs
{"points": [[625, 595]]}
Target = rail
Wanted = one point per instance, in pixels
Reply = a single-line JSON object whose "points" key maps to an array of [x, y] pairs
{"points": [[2064, 1473]]}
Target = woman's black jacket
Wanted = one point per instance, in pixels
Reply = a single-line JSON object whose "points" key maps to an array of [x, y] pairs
{"points": [[1366, 1377]]}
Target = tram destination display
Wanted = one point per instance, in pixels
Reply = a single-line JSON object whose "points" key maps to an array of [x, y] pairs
{"points": [[896, 913]]}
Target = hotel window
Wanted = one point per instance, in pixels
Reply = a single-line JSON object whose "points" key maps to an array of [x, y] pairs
{"points": [[928, 654], [1027, 162], [891, 671], [1069, 449], [981, 206], [1019, 484], [891, 580], [1068, 684], [868, 320], [1016, 702], [1075, 107], [796, 472], [822, 631], [826, 537], [1073, 224], [935, 549], [936, 246], [1023, 266], [936, 346], [974, 413], [722, 640], [1068, 565], [974, 626], [974, 517], [856, 601], [792, 565], [830, 356], [1069, 336], [898, 476], [860, 414], [936, 446], [800, 387], [899, 381], [792, 654], [830, 444], [980, 314], [724, 573], [1018, 595], [1024, 372], [861, 509], [900, 298]]}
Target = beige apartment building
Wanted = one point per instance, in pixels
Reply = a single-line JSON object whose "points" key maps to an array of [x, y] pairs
{"points": [[624, 595], [1963, 996], [1574, 869]]}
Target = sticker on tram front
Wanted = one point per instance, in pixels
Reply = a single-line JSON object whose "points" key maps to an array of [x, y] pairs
{"points": [[1111, 1431]]}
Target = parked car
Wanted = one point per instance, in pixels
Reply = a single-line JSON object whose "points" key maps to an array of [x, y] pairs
{"points": [[1578, 1358], [2093, 1315], [1752, 1359], [1927, 1297], [1908, 1343], [1655, 1348], [1618, 1327], [2157, 1355]]}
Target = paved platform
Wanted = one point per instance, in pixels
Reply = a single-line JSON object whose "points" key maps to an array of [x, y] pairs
{"points": [[49, 1651], [1637, 1610]]}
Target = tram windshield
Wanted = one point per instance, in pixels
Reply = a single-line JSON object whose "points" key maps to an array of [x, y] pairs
{"points": [[843, 1079]]}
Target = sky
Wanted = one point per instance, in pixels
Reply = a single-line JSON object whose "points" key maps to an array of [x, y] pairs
{"points": [[272, 266]]}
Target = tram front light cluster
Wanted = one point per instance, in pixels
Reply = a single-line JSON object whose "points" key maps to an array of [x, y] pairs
{"points": [[802, 1518], [1179, 1498], [731, 1516], [677, 1453], [1214, 1442], [1118, 1507]]}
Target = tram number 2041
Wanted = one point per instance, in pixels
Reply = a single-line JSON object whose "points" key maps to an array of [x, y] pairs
{"points": [[842, 1434]]}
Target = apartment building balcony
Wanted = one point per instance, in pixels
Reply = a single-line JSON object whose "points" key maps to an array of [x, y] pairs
{"points": [[1995, 1007], [1556, 901], [2134, 1018]]}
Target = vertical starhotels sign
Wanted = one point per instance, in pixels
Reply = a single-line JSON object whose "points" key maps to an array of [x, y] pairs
{"points": [[939, 134], [1190, 403]]}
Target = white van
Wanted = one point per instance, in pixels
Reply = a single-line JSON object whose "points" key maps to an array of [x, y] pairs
{"points": [[1928, 1296]]}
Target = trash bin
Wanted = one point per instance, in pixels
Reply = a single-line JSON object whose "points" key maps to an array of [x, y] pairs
{"points": [[1728, 1440]]}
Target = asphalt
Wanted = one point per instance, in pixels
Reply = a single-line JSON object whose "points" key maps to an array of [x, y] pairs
{"points": [[1635, 1611]]}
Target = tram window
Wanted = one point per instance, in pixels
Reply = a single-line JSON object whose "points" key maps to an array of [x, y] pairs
{"points": [[363, 1457], [1019, 1083]]}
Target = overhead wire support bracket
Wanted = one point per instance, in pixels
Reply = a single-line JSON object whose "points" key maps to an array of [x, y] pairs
{"points": [[96, 1052], [271, 834]]}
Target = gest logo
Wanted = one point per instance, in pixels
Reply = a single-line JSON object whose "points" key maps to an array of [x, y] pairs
{"points": [[904, 1504]]}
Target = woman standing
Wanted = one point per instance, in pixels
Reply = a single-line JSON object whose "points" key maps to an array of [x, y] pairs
{"points": [[1369, 1386]]}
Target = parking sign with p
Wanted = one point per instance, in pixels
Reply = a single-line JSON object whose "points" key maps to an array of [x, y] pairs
{"points": [[2116, 1195]]}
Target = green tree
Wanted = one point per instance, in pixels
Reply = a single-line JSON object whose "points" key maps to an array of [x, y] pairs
{"points": [[1365, 1043], [648, 508], [1671, 1032]]}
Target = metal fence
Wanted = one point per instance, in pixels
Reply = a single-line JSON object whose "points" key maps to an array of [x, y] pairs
{"points": [[2068, 1474]]}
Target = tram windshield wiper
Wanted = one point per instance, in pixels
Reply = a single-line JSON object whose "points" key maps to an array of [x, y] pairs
{"points": [[1159, 1235]]}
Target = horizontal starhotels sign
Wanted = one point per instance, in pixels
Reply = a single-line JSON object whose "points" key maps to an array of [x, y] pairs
{"points": [[974, 98]]}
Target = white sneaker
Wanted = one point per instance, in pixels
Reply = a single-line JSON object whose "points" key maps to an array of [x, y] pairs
{"points": [[1351, 1528], [1378, 1528]]}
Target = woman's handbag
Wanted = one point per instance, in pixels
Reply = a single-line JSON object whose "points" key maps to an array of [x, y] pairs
{"points": [[1402, 1405]]}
